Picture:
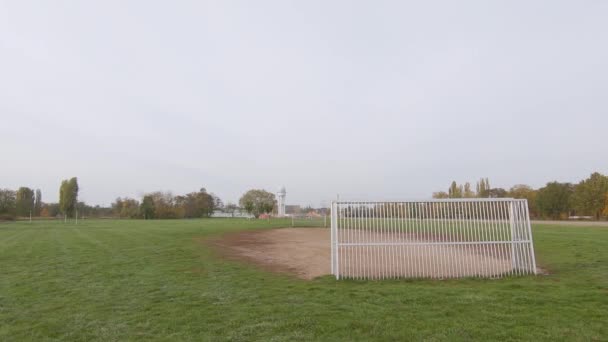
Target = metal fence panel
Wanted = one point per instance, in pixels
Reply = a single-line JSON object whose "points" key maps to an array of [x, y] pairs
{"points": [[444, 238]]}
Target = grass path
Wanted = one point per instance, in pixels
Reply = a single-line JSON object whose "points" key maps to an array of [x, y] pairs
{"points": [[144, 280]]}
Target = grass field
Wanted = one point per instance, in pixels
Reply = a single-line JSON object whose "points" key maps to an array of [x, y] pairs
{"points": [[157, 280]]}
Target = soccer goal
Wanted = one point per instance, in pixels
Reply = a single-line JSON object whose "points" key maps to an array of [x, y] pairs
{"points": [[308, 220], [442, 238]]}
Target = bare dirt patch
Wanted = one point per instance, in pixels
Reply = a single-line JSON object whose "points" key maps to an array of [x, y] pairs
{"points": [[303, 252]]}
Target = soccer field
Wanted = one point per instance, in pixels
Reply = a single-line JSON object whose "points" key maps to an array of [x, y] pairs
{"points": [[160, 280]]}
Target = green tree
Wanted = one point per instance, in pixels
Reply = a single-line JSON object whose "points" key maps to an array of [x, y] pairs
{"points": [[197, 204], [589, 197], [147, 207], [68, 196], [24, 201], [231, 208], [497, 193], [257, 202], [126, 208], [440, 194], [164, 206], [468, 193], [553, 200], [455, 191], [483, 188], [7, 204], [522, 191], [38, 203]]}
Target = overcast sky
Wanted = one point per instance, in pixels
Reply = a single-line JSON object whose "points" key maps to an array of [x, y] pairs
{"points": [[369, 100]]}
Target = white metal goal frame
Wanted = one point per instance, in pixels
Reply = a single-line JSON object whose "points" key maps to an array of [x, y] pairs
{"points": [[439, 238], [305, 220]]}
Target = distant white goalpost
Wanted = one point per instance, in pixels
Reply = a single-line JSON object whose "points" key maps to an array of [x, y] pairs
{"points": [[307, 220], [442, 238]]}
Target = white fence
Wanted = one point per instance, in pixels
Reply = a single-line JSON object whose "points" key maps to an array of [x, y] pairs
{"points": [[431, 239]]}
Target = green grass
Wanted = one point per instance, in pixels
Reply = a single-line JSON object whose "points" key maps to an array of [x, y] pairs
{"points": [[156, 280]]}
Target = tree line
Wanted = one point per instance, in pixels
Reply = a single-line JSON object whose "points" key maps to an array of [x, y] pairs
{"points": [[26, 202], [587, 198], [555, 200], [23, 202], [164, 205]]}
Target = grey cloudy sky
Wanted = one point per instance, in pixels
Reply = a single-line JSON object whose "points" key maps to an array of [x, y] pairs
{"points": [[370, 99]]}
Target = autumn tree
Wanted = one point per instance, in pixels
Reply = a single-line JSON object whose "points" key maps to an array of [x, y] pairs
{"points": [[165, 205], [440, 195], [468, 193], [497, 193], [126, 207], [68, 196], [257, 202], [455, 191], [522, 191], [483, 188], [589, 197]]}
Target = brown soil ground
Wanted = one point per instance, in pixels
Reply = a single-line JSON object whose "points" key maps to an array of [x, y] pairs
{"points": [[305, 252]]}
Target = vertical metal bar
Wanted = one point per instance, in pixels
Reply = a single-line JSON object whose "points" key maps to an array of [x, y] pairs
{"points": [[468, 219], [475, 238], [432, 234], [482, 238], [433, 248], [425, 214], [449, 237], [375, 255], [383, 239], [414, 238], [520, 257], [490, 229], [493, 237], [332, 238], [396, 246], [401, 238], [526, 246], [518, 227], [443, 267], [390, 239], [512, 226], [523, 245], [338, 209], [457, 213], [531, 243], [365, 262]]}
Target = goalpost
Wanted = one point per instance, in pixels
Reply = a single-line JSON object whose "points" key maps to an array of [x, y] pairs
{"points": [[307, 220], [441, 238]]}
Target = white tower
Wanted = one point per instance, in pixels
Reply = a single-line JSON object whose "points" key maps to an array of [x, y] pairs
{"points": [[281, 201]]}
